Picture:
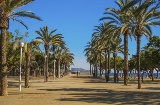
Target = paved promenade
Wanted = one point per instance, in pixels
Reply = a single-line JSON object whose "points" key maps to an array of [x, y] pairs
{"points": [[81, 90]]}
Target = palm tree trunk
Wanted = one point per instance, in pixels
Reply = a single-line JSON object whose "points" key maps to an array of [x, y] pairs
{"points": [[142, 76], [100, 66], [108, 64], [125, 58], [114, 55], [3, 64], [138, 60], [157, 73], [135, 74], [66, 69], [90, 68], [117, 76], [93, 70], [46, 63], [95, 66], [106, 67], [152, 74], [28, 56], [59, 71]]}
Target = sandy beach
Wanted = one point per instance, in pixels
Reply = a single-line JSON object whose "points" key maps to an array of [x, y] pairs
{"points": [[81, 90]]}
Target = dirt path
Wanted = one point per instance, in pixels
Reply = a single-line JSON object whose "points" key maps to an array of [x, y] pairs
{"points": [[81, 90]]}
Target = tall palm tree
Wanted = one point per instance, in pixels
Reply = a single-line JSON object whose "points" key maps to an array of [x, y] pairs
{"points": [[55, 44], [115, 47], [142, 20], [29, 52], [59, 53], [120, 18], [89, 55], [47, 38], [97, 38], [68, 60], [106, 34], [7, 10]]}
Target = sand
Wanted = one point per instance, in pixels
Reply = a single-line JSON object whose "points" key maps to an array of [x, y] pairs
{"points": [[81, 90]]}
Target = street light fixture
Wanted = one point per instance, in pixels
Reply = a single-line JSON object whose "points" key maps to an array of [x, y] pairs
{"points": [[21, 45], [54, 72]]}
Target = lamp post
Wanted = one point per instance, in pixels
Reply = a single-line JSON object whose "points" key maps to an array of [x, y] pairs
{"points": [[54, 74], [21, 45]]}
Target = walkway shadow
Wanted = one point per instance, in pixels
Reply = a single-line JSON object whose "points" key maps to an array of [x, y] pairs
{"points": [[91, 79], [107, 96]]}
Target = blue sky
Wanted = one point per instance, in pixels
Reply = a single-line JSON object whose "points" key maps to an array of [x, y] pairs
{"points": [[75, 19]]}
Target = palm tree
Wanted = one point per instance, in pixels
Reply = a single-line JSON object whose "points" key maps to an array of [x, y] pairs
{"points": [[142, 20], [107, 33], [120, 19], [89, 55], [55, 44], [7, 10], [115, 45], [29, 52], [47, 39], [97, 38], [59, 53], [67, 58]]}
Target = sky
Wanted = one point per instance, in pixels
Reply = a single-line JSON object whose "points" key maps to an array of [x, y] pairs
{"points": [[74, 19]]}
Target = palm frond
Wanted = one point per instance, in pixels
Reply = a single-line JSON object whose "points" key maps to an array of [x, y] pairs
{"points": [[16, 3], [20, 22], [29, 14]]}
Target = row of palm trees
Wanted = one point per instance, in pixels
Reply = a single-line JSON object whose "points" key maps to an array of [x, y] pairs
{"points": [[132, 18], [53, 44], [57, 47]]}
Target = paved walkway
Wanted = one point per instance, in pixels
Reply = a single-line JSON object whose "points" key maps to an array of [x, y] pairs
{"points": [[81, 90]]}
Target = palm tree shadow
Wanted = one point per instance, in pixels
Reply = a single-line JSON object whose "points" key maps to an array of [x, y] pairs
{"points": [[153, 88], [109, 96]]}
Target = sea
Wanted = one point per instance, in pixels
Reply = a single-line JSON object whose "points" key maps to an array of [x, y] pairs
{"points": [[129, 74], [132, 75], [119, 74]]}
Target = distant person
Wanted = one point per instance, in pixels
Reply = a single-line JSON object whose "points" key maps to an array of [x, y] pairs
{"points": [[77, 73], [93, 73]]}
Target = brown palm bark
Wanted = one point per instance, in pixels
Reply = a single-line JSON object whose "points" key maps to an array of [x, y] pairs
{"points": [[100, 66], [125, 58], [117, 75], [28, 56], [109, 68], [138, 60], [114, 55], [46, 62], [106, 67], [3, 64], [66, 69], [90, 68], [95, 67]]}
